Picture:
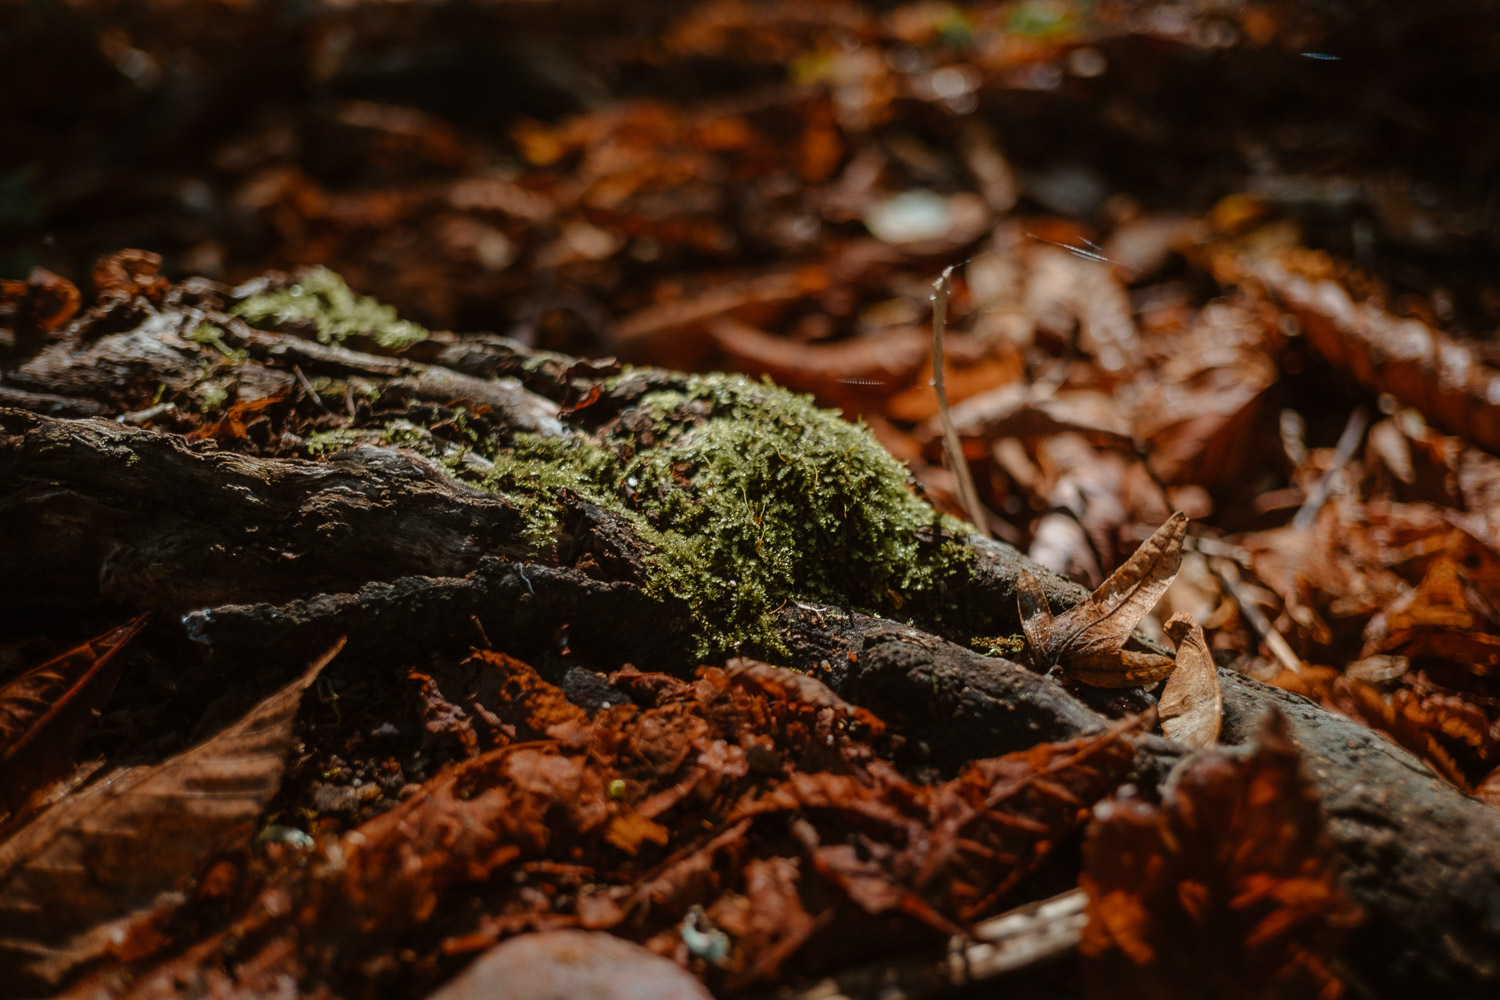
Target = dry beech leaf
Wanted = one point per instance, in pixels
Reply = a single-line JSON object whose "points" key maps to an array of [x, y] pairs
{"points": [[1191, 708], [1087, 641], [73, 879], [1227, 889], [45, 713]]}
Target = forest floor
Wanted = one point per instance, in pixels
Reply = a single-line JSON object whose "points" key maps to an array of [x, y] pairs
{"points": [[486, 631]]}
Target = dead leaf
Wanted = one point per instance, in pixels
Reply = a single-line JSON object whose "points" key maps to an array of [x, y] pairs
{"points": [[1446, 379], [128, 273], [75, 878], [1087, 641], [1191, 709], [1488, 790], [1227, 889], [870, 366], [44, 301], [46, 712], [1447, 616]]}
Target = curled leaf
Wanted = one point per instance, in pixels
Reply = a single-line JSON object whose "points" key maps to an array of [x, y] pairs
{"points": [[1191, 708], [1088, 640]]}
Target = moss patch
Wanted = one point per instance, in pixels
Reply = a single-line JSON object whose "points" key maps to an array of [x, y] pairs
{"points": [[212, 336], [753, 496], [331, 310]]}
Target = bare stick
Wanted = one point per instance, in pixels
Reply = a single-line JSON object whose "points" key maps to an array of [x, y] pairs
{"points": [[1354, 433], [1275, 642], [1018, 939], [952, 449]]}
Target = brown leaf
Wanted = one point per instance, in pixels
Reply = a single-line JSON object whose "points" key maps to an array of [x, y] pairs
{"points": [[45, 713], [129, 273], [1447, 616], [1227, 889], [1018, 409], [1036, 614], [1191, 708], [769, 922], [44, 301], [1446, 379], [73, 879], [1087, 640], [1488, 790], [877, 364]]}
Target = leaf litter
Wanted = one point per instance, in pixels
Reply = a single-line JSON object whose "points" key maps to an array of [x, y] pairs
{"points": [[87, 873], [1228, 888], [743, 823], [1204, 331]]}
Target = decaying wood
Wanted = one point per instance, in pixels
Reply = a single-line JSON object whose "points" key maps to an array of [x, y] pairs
{"points": [[283, 556]]}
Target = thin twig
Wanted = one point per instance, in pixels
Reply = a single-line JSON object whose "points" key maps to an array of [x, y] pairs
{"points": [[952, 448], [1017, 939], [308, 388], [1269, 635], [1354, 433]]}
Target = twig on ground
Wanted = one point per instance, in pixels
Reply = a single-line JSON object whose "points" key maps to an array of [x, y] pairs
{"points": [[1349, 440], [1281, 650], [952, 448], [1017, 939]]}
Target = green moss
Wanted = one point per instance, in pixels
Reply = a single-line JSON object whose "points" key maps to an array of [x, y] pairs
{"points": [[998, 645], [335, 313], [394, 433], [212, 397], [536, 468], [339, 439], [213, 336], [753, 497]]}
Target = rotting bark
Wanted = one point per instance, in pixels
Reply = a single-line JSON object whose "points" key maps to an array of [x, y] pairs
{"points": [[262, 557]]}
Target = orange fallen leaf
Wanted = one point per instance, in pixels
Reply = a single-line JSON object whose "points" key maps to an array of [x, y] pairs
{"points": [[1227, 889]]}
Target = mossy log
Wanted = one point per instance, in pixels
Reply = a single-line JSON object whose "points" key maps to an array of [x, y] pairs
{"points": [[411, 542]]}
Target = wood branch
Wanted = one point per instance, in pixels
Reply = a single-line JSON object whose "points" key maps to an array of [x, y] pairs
{"points": [[97, 510]]}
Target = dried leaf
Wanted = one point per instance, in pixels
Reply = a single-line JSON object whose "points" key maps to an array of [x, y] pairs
{"points": [[1191, 708], [1446, 379], [1228, 889], [1036, 613], [45, 713], [44, 301], [1018, 409], [74, 878], [769, 922], [1087, 641], [1488, 790], [1447, 616], [127, 273], [848, 369]]}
